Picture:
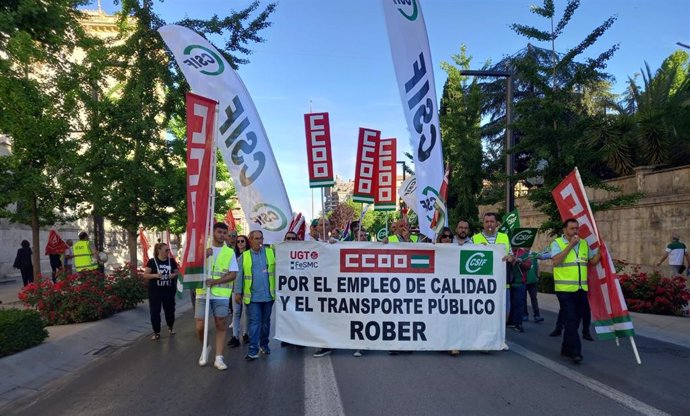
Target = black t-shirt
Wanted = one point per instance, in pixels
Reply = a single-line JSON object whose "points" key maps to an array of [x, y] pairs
{"points": [[165, 268]]}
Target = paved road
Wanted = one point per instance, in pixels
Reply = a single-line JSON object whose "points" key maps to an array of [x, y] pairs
{"points": [[151, 378]]}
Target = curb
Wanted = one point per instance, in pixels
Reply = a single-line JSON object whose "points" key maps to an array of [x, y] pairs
{"points": [[70, 348]]}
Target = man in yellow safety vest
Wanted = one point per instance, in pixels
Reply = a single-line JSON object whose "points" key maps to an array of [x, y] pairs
{"points": [[570, 257], [256, 288], [223, 271], [84, 254]]}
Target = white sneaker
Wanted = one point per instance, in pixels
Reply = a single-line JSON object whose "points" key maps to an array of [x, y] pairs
{"points": [[357, 353], [203, 360], [220, 364]]}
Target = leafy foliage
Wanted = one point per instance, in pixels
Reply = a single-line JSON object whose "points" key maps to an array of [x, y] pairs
{"points": [[85, 296], [654, 293], [131, 172], [460, 116], [20, 329]]}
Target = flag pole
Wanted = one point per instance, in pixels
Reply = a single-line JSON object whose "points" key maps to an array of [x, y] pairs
{"points": [[634, 347], [323, 213], [209, 233]]}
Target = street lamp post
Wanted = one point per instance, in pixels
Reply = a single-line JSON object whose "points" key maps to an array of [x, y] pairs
{"points": [[510, 158]]}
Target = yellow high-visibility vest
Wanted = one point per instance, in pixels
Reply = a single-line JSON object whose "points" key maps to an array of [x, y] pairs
{"points": [[248, 278], [394, 239], [220, 267], [83, 258], [571, 274]]}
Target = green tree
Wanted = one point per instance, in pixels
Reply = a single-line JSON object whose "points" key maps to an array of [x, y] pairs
{"points": [[460, 117], [37, 103], [659, 109], [553, 123], [131, 167]]}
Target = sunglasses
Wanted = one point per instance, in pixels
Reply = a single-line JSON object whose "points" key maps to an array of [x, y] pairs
{"points": [[290, 239], [446, 236], [241, 241], [232, 235]]}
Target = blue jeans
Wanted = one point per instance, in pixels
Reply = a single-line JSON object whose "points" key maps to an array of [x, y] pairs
{"points": [[259, 325]]}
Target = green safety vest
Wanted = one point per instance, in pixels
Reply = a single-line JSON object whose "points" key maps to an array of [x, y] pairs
{"points": [[248, 278], [394, 239], [501, 238], [571, 274], [83, 258], [220, 267]]}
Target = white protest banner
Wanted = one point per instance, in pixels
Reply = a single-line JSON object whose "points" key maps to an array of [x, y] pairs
{"points": [[241, 137], [415, 76], [390, 297]]}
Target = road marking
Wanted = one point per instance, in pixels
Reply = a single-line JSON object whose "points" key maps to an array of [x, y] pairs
{"points": [[321, 395], [590, 383]]}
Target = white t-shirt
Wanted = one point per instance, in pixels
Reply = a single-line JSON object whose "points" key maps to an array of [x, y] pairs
{"points": [[676, 252]]}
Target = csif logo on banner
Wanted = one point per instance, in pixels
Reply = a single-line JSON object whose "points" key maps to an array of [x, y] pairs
{"points": [[477, 262], [409, 14], [511, 218], [521, 237], [269, 217], [204, 60]]}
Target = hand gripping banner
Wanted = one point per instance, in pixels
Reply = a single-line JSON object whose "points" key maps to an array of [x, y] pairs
{"points": [[609, 310], [415, 78], [201, 113], [241, 136]]}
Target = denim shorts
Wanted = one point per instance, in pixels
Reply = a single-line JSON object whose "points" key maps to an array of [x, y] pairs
{"points": [[217, 307]]}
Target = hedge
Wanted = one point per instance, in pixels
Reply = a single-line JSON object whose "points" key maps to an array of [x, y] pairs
{"points": [[20, 329]]}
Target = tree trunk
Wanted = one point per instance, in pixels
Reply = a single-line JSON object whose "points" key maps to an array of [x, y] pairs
{"points": [[132, 245], [35, 236]]}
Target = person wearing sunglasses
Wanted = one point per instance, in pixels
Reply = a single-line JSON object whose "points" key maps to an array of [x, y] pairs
{"points": [[445, 236], [291, 236], [238, 324], [231, 239], [161, 272]]}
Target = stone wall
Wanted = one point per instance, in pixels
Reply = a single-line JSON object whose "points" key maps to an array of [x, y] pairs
{"points": [[638, 233], [115, 243]]}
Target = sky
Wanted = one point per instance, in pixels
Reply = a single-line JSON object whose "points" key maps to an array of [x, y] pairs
{"points": [[334, 56]]}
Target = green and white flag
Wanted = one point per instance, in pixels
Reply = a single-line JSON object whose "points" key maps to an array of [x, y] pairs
{"points": [[510, 222], [523, 237]]}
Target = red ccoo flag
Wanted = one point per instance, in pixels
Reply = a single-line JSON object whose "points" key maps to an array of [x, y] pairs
{"points": [[55, 244], [144, 246], [230, 220]]}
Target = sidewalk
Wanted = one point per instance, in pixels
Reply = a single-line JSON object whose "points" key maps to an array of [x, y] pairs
{"points": [[671, 329], [68, 348]]}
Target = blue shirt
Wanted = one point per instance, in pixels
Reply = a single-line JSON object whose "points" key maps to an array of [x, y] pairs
{"points": [[260, 288]]}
